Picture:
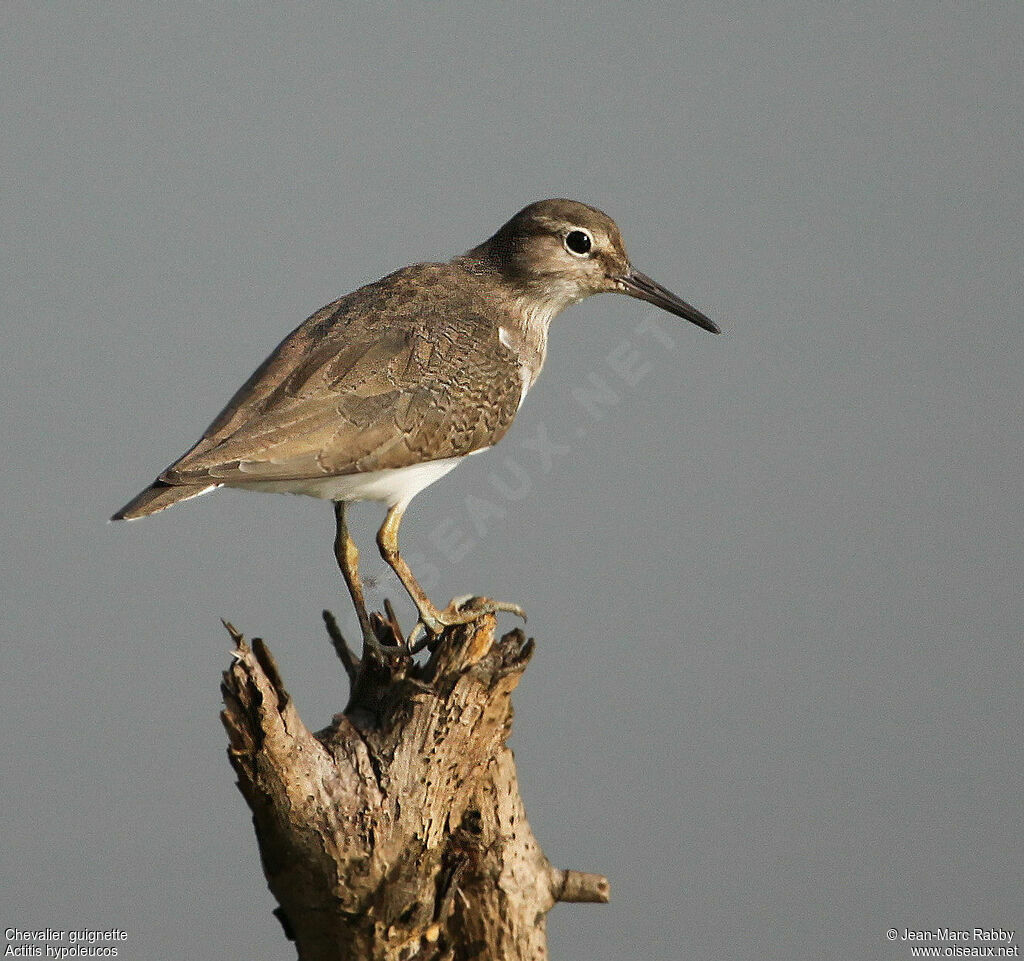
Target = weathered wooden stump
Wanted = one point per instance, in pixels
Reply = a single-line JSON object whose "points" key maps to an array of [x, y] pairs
{"points": [[398, 832]]}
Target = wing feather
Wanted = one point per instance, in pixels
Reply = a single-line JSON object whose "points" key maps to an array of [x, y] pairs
{"points": [[414, 384]]}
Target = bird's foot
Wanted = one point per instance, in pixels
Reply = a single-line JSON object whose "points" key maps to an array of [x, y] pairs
{"points": [[468, 607], [461, 610]]}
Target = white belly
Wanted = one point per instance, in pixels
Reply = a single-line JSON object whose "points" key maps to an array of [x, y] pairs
{"points": [[398, 486]]}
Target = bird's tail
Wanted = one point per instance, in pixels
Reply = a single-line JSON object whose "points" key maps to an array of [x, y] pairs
{"points": [[158, 496]]}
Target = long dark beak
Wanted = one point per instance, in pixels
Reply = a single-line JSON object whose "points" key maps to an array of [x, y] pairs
{"points": [[642, 287]]}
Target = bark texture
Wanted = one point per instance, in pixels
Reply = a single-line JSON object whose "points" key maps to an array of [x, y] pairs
{"points": [[398, 832]]}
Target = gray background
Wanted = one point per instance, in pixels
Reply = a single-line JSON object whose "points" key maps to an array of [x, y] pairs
{"points": [[775, 587]]}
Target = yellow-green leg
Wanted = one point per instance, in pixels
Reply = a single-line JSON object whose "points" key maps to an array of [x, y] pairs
{"points": [[347, 553], [432, 619]]}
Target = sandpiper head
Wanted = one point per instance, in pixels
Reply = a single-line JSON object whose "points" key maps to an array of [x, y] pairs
{"points": [[560, 251]]}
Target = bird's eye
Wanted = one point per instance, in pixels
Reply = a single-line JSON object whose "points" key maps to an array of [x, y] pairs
{"points": [[578, 242]]}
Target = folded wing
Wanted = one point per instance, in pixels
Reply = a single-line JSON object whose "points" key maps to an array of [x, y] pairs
{"points": [[328, 403]]}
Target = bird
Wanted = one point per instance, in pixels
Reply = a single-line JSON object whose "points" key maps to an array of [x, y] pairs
{"points": [[385, 390]]}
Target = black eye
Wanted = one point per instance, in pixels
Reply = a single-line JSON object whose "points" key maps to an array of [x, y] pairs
{"points": [[578, 242]]}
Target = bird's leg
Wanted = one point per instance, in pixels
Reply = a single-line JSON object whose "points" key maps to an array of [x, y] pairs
{"points": [[430, 617], [347, 553], [387, 541]]}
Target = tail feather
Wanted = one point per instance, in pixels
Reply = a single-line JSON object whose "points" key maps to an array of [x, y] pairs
{"points": [[158, 496]]}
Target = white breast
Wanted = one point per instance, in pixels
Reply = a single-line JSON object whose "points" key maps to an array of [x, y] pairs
{"points": [[396, 486], [526, 374]]}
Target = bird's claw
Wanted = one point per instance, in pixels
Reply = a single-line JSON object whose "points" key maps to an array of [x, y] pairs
{"points": [[419, 637], [471, 607], [461, 610]]}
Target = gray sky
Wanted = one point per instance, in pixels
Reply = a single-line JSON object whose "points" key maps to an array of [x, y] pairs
{"points": [[775, 577]]}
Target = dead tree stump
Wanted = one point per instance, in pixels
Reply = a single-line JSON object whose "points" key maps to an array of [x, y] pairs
{"points": [[398, 832]]}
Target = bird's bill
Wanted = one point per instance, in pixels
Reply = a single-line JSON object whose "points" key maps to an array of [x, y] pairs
{"points": [[642, 287]]}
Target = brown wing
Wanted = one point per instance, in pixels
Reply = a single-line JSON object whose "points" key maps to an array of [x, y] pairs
{"points": [[384, 378]]}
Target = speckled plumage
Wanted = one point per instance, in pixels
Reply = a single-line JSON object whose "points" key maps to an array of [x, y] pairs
{"points": [[407, 369]]}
